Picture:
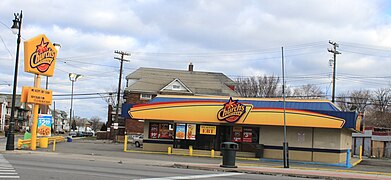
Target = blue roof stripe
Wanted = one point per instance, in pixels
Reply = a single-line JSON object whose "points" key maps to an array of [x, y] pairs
{"points": [[311, 106]]}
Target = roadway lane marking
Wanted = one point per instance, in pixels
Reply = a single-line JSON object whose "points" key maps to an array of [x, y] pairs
{"points": [[10, 177], [195, 176], [6, 169]]}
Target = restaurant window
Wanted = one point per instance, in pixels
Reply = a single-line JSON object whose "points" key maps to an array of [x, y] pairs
{"points": [[176, 87], [145, 96], [160, 131], [185, 131], [245, 134]]}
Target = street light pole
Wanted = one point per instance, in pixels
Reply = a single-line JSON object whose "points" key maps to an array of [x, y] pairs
{"points": [[285, 144], [72, 77], [10, 134]]}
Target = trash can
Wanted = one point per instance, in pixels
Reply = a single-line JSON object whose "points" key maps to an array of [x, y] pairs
{"points": [[43, 142], [259, 151], [228, 149], [69, 139]]}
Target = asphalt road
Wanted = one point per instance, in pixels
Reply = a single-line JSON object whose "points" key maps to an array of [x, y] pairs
{"points": [[43, 166], [103, 160]]}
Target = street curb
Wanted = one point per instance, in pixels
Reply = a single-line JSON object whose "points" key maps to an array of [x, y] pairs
{"points": [[326, 174], [184, 166]]}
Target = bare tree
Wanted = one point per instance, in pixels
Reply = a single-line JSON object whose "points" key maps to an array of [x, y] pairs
{"points": [[308, 91], [378, 119], [380, 112], [96, 123], [261, 86], [247, 87], [354, 101], [268, 86], [381, 99]]}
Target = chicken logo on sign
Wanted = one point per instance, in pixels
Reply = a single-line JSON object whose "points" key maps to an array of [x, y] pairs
{"points": [[232, 111], [39, 56], [43, 57]]}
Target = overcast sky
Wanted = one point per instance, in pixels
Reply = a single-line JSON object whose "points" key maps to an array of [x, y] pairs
{"points": [[238, 38]]}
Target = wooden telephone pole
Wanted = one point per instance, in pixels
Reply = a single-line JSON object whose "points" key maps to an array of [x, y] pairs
{"points": [[119, 82], [335, 52]]}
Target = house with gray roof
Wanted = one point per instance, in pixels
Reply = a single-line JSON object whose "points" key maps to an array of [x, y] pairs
{"points": [[145, 83]]}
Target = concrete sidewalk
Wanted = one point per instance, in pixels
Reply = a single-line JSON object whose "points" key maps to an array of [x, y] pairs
{"points": [[293, 172]]}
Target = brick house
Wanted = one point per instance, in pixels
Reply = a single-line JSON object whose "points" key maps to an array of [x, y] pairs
{"points": [[146, 83]]}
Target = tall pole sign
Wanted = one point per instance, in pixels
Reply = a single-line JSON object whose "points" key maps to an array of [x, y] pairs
{"points": [[39, 59]]}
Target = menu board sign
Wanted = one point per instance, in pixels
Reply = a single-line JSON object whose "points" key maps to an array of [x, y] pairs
{"points": [[191, 132], [154, 131], [180, 131], [164, 132], [208, 130], [237, 134], [247, 135]]}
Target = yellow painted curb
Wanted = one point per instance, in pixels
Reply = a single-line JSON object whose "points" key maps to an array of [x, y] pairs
{"points": [[354, 164]]}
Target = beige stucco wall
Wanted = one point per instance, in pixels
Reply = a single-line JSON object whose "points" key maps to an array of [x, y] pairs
{"points": [[293, 155], [325, 138], [329, 157], [346, 139], [156, 147], [296, 136], [146, 129], [319, 138]]}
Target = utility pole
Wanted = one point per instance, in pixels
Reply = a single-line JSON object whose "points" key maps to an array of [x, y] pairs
{"points": [[54, 117], [285, 147], [119, 82], [335, 52]]}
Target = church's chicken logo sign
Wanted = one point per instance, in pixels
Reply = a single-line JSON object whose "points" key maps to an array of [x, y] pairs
{"points": [[232, 111], [43, 57], [39, 56]]}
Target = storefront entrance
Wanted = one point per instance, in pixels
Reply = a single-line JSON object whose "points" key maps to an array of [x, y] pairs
{"points": [[209, 137]]}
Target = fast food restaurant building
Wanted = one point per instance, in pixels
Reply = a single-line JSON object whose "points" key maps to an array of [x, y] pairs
{"points": [[317, 130]]}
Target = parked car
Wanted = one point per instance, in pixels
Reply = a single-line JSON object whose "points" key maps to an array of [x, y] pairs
{"points": [[138, 140], [87, 134], [72, 133]]}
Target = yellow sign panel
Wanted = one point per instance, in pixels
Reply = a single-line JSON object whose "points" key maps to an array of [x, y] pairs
{"points": [[39, 56], [25, 91], [39, 96], [209, 130]]}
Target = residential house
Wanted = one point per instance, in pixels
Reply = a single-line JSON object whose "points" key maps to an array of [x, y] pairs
{"points": [[145, 83], [60, 121], [22, 113]]}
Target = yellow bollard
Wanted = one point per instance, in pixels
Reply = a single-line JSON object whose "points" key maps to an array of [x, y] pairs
{"points": [[43, 142], [361, 152], [169, 151], [190, 150], [20, 144], [125, 143], [212, 153], [54, 145]]}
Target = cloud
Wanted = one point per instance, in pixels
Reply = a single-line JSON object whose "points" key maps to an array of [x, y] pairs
{"points": [[238, 38]]}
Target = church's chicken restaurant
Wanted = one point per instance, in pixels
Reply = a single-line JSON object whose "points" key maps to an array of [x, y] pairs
{"points": [[316, 129]]}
